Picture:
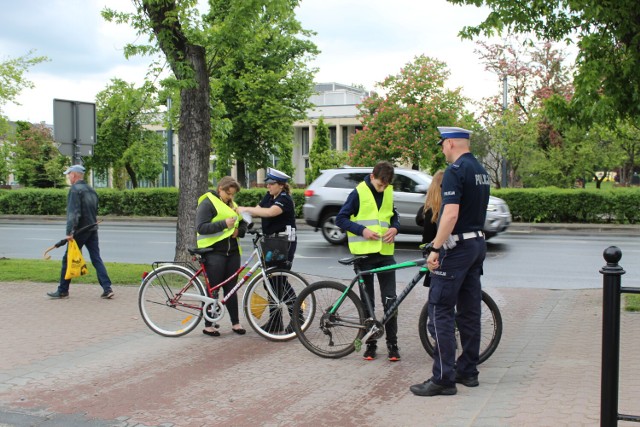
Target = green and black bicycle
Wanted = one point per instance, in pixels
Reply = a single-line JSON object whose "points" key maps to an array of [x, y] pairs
{"points": [[338, 325]]}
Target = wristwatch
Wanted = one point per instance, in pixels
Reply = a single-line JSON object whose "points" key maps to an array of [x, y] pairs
{"points": [[432, 249]]}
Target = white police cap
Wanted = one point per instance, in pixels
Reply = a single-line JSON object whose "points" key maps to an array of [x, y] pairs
{"points": [[274, 175], [452, 132], [74, 168]]}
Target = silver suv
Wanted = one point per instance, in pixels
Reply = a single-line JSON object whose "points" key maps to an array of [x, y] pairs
{"points": [[326, 195]]}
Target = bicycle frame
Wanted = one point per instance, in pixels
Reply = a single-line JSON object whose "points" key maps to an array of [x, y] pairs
{"points": [[375, 329], [209, 299]]}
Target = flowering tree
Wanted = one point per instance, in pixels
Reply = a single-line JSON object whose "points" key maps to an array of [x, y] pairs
{"points": [[401, 126]]}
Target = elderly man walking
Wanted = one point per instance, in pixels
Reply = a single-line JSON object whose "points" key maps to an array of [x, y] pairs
{"points": [[82, 211]]}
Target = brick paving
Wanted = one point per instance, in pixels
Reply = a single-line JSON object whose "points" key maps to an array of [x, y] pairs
{"points": [[85, 361]]}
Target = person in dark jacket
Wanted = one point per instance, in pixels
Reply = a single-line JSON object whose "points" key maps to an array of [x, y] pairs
{"points": [[82, 211], [219, 226]]}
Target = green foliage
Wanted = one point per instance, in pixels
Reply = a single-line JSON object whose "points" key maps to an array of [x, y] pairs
{"points": [[401, 127], [257, 51], [321, 145], [123, 141], [328, 160], [34, 202], [607, 82], [37, 161], [12, 77], [554, 205], [148, 202]]}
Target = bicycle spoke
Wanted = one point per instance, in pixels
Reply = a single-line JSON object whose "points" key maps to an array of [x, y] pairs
{"points": [[331, 334], [163, 309]]}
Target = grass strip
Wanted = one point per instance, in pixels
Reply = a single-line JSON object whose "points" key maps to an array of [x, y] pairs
{"points": [[48, 271]]}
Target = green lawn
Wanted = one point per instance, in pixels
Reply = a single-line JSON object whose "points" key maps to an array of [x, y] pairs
{"points": [[28, 270]]}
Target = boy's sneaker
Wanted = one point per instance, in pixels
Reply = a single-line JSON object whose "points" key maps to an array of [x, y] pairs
{"points": [[107, 294], [370, 352], [57, 295], [394, 352]]}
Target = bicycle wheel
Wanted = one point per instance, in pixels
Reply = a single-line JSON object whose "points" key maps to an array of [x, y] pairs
{"points": [[330, 335], [490, 327], [165, 312], [271, 317]]}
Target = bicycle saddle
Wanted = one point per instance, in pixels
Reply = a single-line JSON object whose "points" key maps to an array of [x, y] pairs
{"points": [[353, 260]]}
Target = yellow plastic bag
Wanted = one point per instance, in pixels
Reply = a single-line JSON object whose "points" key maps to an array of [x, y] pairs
{"points": [[76, 265]]}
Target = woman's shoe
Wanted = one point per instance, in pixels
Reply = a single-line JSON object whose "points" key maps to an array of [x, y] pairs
{"points": [[239, 331], [211, 333]]}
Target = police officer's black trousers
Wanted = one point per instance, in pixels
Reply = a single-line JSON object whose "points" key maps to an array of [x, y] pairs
{"points": [[387, 283], [455, 299]]}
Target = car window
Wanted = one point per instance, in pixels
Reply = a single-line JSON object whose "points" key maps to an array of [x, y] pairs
{"points": [[346, 180], [404, 184]]}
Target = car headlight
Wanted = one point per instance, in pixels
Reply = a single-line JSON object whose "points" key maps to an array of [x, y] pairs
{"points": [[492, 208]]}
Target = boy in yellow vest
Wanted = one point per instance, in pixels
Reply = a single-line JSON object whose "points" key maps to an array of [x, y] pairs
{"points": [[371, 222]]}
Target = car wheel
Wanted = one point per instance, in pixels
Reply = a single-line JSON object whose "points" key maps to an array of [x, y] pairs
{"points": [[332, 233]]}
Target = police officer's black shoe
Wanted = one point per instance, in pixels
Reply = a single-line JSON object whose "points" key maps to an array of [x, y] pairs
{"points": [[471, 381], [429, 388]]}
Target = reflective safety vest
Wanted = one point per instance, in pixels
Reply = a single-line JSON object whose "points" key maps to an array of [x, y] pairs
{"points": [[369, 216], [224, 212]]}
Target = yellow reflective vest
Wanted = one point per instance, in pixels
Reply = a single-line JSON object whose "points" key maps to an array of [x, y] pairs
{"points": [[223, 212], [374, 219]]}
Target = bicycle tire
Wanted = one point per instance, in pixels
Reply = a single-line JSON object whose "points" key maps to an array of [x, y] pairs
{"points": [[491, 329], [257, 302], [162, 316], [330, 335]]}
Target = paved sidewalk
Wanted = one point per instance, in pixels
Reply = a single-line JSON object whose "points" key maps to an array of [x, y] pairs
{"points": [[91, 362]]}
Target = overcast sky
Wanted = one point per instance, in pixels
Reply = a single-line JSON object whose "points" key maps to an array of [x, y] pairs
{"points": [[362, 42]]}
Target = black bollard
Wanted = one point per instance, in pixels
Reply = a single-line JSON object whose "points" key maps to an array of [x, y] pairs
{"points": [[610, 336]]}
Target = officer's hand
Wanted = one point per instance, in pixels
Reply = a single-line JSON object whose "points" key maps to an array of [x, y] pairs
{"points": [[433, 261], [230, 222], [390, 235], [370, 235]]}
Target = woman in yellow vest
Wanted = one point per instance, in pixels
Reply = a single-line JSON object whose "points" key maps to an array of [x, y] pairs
{"points": [[371, 222], [219, 226]]}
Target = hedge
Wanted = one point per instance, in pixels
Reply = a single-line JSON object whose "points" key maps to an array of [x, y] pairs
{"points": [[160, 202], [549, 205], [554, 205]]}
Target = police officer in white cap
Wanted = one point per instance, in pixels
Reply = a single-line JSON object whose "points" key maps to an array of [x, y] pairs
{"points": [[278, 215], [455, 261]]}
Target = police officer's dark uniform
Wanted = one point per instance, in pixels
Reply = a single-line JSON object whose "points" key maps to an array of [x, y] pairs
{"points": [[455, 284]]}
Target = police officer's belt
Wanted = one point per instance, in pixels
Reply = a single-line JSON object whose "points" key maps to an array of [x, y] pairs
{"points": [[469, 235]]}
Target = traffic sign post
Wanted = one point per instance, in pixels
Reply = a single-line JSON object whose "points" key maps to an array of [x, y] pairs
{"points": [[74, 128]]}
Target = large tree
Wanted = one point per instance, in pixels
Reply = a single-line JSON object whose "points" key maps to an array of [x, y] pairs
{"points": [[607, 81], [123, 141], [193, 48], [401, 126], [175, 31]]}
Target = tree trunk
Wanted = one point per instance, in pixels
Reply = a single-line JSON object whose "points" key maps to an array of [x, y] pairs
{"points": [[194, 150]]}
